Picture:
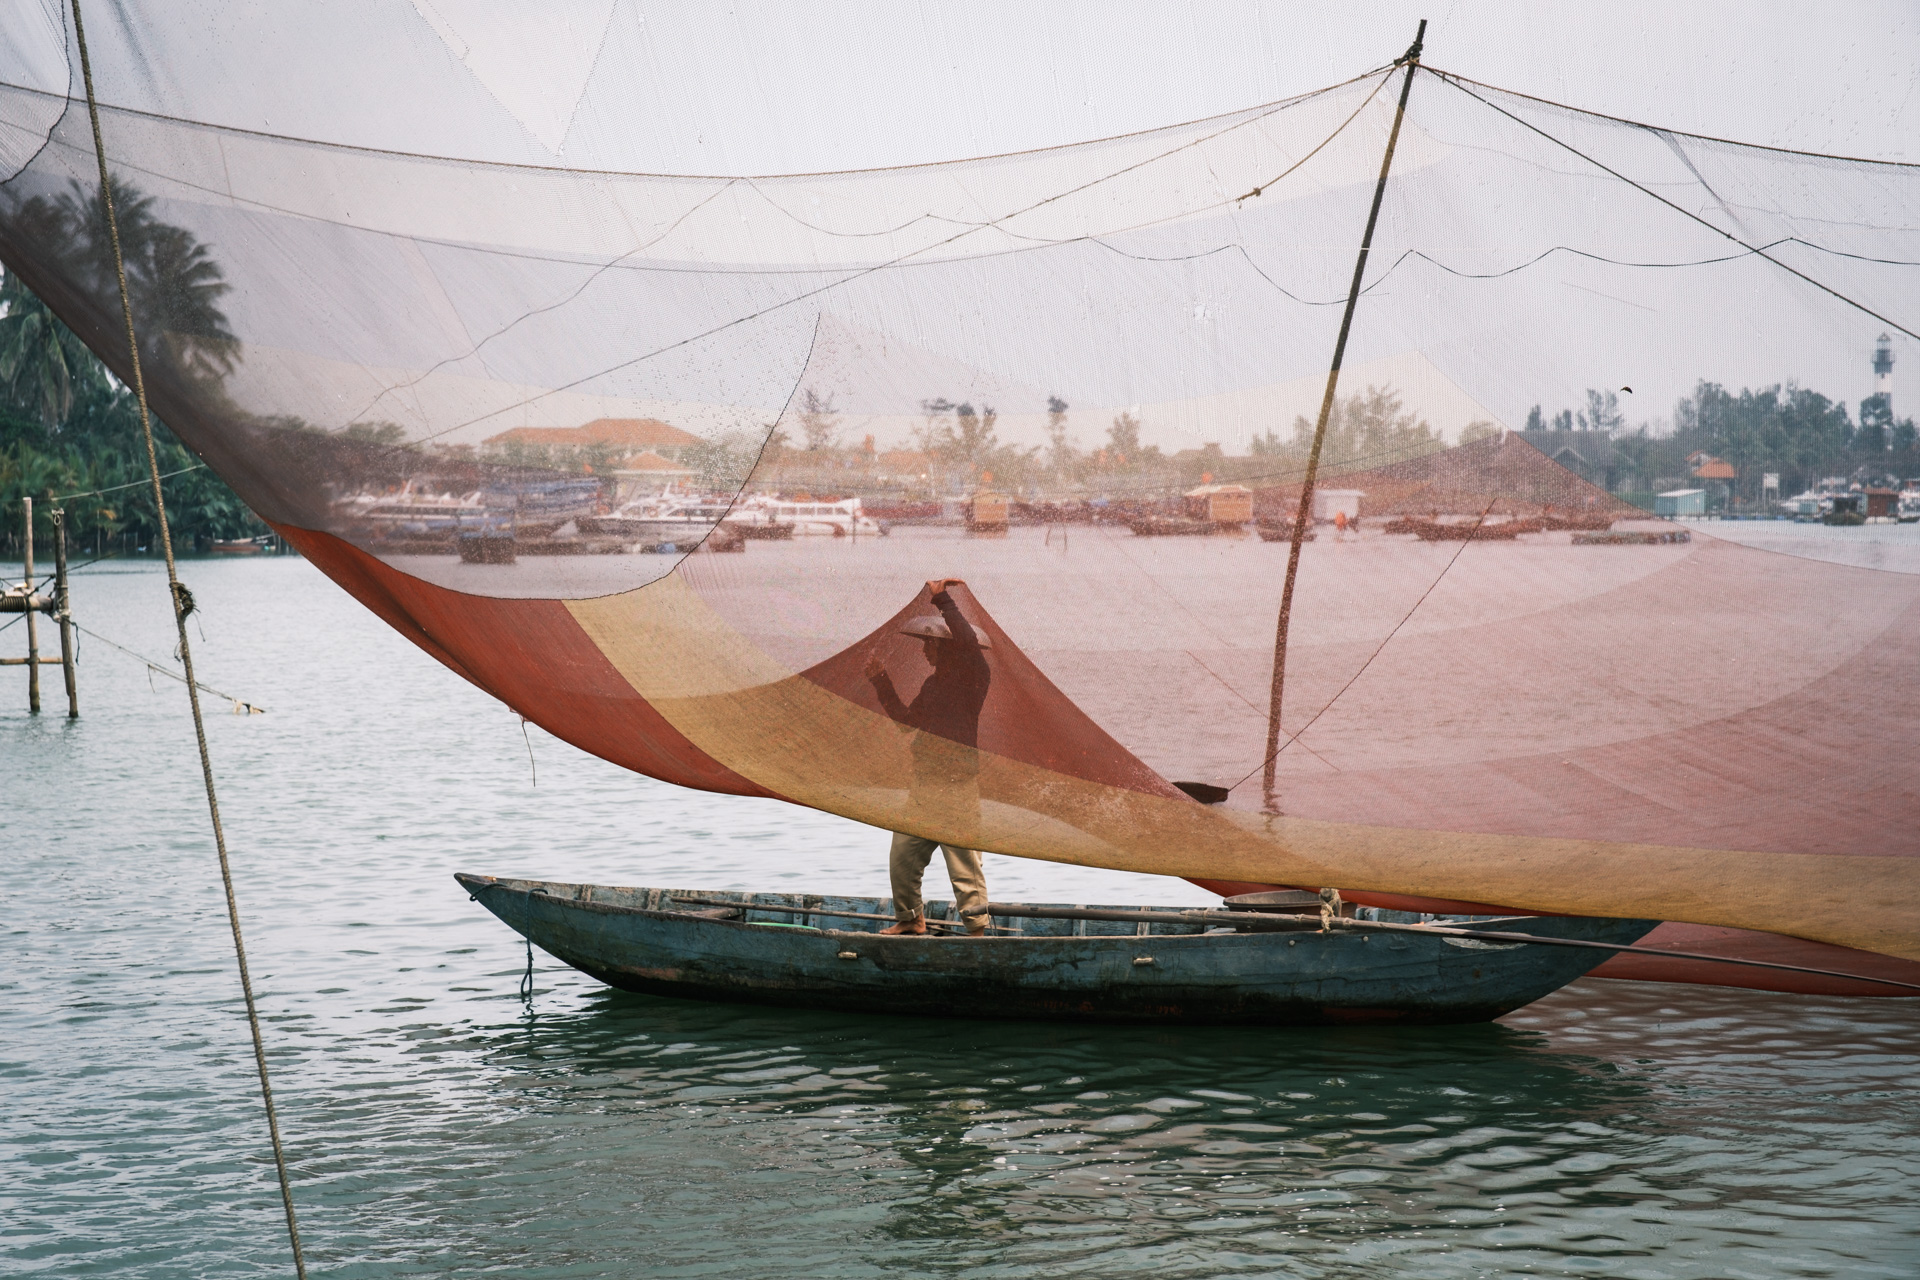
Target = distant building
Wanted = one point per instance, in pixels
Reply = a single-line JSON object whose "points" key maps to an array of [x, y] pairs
{"points": [[632, 434], [902, 464], [1680, 502], [1707, 467], [1225, 503], [1883, 370], [647, 473], [1328, 503], [1588, 454]]}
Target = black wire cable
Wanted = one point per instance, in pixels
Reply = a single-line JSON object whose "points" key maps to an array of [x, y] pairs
{"points": [[1684, 212]]}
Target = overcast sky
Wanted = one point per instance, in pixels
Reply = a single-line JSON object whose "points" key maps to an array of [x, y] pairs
{"points": [[773, 86], [1011, 74], [768, 86]]}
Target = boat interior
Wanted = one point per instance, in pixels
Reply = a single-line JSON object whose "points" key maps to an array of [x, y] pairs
{"points": [[830, 912]]}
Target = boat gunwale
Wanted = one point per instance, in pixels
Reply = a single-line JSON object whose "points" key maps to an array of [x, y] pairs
{"points": [[1201, 932]]}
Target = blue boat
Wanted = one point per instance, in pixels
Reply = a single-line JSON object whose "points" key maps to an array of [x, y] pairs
{"points": [[1053, 961]]}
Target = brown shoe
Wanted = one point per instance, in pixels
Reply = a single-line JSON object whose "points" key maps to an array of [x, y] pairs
{"points": [[917, 925]]}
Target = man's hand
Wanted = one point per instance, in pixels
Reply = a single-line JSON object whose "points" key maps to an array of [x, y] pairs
{"points": [[876, 666], [936, 585]]}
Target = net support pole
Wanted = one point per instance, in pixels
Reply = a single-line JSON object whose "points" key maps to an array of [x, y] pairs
{"points": [[33, 623], [182, 604], [63, 610], [1411, 61]]}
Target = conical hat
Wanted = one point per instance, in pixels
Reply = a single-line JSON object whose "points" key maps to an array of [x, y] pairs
{"points": [[936, 628]]}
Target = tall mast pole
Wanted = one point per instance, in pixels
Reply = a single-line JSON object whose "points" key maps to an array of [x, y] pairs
{"points": [[1411, 61], [182, 606]]}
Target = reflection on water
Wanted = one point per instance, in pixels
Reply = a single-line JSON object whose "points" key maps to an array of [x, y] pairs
{"points": [[930, 1145], [999, 1146], [438, 1126]]}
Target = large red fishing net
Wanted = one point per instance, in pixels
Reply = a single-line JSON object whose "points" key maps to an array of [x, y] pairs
{"points": [[666, 462]]}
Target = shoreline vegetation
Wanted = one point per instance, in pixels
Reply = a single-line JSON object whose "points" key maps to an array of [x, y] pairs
{"points": [[69, 430]]}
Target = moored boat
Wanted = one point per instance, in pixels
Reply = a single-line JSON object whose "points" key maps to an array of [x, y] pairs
{"points": [[840, 518], [1098, 964], [662, 518]]}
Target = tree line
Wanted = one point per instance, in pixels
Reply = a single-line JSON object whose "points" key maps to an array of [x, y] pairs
{"points": [[960, 446], [1788, 430], [69, 430]]}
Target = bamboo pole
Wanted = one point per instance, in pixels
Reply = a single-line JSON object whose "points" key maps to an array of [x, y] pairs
{"points": [[182, 603], [1411, 61], [62, 614], [33, 623]]}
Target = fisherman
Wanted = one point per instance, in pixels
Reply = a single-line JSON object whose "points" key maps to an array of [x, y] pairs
{"points": [[944, 718]]}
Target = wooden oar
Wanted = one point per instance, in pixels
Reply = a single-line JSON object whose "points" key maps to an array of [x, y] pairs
{"points": [[1491, 935], [1256, 921], [1263, 922], [819, 911]]}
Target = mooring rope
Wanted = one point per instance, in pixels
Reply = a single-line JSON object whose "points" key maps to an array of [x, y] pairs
{"points": [[526, 982], [182, 603], [240, 705]]}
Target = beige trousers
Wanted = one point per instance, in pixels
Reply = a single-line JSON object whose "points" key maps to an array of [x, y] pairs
{"points": [[908, 863]]}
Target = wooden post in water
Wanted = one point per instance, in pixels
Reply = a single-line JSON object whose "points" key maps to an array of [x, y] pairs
{"points": [[61, 613], [33, 623], [23, 599]]}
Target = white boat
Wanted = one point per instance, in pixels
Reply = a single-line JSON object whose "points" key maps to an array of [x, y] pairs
{"points": [[413, 510], [681, 519], [808, 519], [1909, 508]]}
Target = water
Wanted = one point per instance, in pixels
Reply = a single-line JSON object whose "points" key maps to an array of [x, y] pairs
{"points": [[439, 1126]]}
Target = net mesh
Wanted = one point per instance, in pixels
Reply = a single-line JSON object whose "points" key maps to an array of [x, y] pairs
{"points": [[668, 462]]}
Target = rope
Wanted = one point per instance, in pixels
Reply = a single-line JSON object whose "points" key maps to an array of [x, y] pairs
{"points": [[856, 274], [1265, 108], [1378, 649], [240, 705], [131, 484], [1281, 627], [181, 603], [1679, 209], [526, 979]]}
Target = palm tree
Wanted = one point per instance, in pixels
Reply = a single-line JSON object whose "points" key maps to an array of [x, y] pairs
{"points": [[175, 283], [42, 362]]}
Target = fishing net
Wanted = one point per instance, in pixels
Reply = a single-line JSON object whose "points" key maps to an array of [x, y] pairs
{"points": [[594, 439]]}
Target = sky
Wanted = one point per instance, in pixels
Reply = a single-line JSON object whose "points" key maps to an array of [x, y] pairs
{"points": [[1009, 75], [766, 86], [769, 86]]}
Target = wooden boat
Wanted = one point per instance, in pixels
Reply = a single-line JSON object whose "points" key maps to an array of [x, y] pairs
{"points": [[1103, 964]]}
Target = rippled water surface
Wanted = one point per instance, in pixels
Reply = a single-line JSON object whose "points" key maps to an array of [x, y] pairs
{"points": [[438, 1125]]}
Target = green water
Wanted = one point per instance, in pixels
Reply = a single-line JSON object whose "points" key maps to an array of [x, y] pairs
{"points": [[438, 1125]]}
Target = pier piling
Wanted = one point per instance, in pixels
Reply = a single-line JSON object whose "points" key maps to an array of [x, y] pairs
{"points": [[24, 599]]}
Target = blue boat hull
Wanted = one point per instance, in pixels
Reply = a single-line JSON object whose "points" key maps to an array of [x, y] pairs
{"points": [[637, 939]]}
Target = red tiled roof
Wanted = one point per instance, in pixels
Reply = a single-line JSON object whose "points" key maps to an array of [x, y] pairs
{"points": [[636, 433], [1714, 469], [651, 461]]}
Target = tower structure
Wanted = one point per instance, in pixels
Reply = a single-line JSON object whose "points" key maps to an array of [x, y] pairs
{"points": [[1883, 369]]}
